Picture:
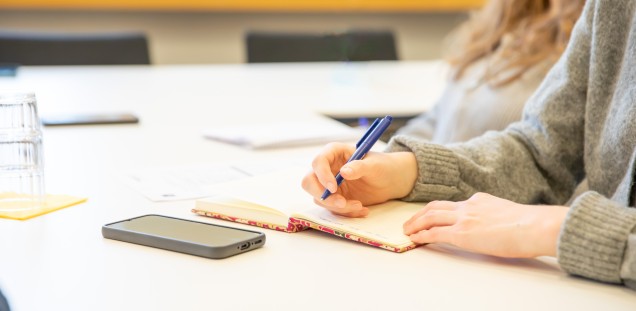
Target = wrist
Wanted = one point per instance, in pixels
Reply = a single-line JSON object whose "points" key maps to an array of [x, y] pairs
{"points": [[406, 173], [549, 228]]}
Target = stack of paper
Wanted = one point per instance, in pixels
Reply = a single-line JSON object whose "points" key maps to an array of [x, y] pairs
{"points": [[285, 134]]}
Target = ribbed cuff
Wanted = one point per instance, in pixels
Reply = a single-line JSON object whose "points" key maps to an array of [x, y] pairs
{"points": [[438, 171], [594, 236]]}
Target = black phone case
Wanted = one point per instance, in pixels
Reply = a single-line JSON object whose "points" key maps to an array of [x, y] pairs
{"points": [[181, 246], [90, 119]]}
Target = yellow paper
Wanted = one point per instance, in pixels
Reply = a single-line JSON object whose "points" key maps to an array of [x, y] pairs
{"points": [[51, 203]]}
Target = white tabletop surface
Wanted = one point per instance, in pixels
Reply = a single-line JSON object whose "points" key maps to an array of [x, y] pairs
{"points": [[60, 261]]}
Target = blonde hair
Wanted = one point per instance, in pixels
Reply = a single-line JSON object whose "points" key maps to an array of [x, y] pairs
{"points": [[515, 34]]}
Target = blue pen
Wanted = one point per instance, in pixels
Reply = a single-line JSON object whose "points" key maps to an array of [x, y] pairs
{"points": [[364, 145]]}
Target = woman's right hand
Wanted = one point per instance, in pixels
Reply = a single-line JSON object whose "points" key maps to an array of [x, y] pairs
{"points": [[377, 178]]}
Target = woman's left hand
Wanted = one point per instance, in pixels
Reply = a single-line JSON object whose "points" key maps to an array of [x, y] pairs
{"points": [[489, 225]]}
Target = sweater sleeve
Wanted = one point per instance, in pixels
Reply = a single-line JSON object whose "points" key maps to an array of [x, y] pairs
{"points": [[539, 160], [598, 240], [598, 237]]}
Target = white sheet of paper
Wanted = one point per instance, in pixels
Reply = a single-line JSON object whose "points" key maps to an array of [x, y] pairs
{"points": [[180, 183], [194, 181]]}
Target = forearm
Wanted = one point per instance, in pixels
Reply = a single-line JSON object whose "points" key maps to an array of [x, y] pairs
{"points": [[498, 164]]}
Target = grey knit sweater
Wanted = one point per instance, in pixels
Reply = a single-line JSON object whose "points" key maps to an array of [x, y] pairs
{"points": [[580, 123], [458, 115]]}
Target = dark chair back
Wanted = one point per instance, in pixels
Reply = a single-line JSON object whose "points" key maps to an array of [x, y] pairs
{"points": [[268, 47], [30, 48]]}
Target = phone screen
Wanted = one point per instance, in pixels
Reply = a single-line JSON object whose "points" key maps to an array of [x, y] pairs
{"points": [[185, 230]]}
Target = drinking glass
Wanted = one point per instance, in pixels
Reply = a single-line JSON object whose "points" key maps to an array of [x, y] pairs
{"points": [[21, 157]]}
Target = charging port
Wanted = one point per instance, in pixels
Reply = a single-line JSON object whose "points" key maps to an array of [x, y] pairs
{"points": [[245, 246], [258, 242]]}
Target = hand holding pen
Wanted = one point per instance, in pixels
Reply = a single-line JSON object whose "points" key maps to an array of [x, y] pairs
{"points": [[377, 178], [364, 145]]}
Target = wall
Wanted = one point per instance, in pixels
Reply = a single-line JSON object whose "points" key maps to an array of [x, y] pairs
{"points": [[217, 37]]}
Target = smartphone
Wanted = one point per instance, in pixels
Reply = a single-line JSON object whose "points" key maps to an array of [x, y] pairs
{"points": [[89, 119], [184, 236]]}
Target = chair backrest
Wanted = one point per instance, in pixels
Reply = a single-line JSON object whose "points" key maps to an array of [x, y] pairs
{"points": [[30, 48], [357, 45]]}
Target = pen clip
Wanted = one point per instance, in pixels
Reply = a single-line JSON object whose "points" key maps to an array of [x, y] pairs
{"points": [[368, 132]]}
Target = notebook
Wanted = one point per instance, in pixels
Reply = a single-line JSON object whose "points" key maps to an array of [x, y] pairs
{"points": [[276, 201]]}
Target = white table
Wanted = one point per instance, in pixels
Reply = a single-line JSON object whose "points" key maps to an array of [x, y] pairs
{"points": [[60, 261]]}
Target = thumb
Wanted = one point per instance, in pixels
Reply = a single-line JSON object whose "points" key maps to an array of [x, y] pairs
{"points": [[356, 169]]}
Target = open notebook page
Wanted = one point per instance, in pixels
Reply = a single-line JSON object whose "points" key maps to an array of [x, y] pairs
{"points": [[383, 224], [270, 198], [278, 196]]}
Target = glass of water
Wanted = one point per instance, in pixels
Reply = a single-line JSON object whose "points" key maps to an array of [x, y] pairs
{"points": [[21, 156]]}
